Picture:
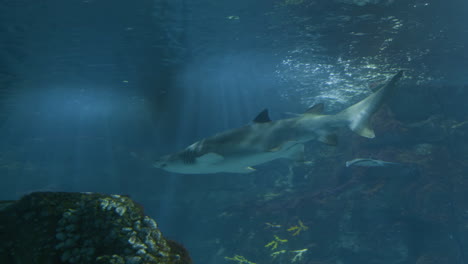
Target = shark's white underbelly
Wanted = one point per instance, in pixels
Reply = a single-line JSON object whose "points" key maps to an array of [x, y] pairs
{"points": [[243, 163]]}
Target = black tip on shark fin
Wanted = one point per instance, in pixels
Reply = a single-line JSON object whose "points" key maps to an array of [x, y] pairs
{"points": [[330, 139], [399, 74], [394, 80], [316, 109], [263, 117]]}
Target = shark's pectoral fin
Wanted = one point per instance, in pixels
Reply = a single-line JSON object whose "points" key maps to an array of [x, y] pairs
{"points": [[210, 158], [283, 146], [290, 150], [329, 139], [365, 130]]}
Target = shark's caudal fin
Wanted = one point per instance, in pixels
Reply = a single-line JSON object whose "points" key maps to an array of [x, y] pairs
{"points": [[358, 115]]}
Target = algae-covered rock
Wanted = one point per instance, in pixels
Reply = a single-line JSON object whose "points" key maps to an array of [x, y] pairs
{"points": [[53, 227]]}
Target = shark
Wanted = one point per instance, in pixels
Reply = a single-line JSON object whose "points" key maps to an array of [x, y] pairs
{"points": [[264, 140]]}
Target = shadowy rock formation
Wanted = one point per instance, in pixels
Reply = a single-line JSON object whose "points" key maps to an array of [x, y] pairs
{"points": [[58, 227]]}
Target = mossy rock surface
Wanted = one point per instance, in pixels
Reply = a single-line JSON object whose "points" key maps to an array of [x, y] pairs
{"points": [[58, 227]]}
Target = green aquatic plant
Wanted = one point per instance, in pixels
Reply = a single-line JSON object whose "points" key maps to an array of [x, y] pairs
{"points": [[299, 254], [275, 243], [240, 259], [277, 253], [297, 229]]}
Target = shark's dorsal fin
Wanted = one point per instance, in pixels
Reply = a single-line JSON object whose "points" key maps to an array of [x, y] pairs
{"points": [[263, 117], [315, 110], [329, 139]]}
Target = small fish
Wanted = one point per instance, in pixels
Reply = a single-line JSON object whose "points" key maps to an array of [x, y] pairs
{"points": [[369, 163], [270, 225]]}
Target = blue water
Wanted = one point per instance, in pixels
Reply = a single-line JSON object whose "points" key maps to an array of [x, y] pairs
{"points": [[93, 91]]}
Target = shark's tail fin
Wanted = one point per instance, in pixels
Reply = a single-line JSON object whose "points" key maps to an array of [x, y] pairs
{"points": [[358, 115]]}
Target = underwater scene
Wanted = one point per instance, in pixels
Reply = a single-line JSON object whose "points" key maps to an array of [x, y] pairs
{"points": [[234, 132]]}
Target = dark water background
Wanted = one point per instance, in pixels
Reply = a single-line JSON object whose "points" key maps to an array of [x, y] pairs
{"points": [[92, 91]]}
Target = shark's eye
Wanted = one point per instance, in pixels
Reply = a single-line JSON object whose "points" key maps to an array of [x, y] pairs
{"points": [[163, 165]]}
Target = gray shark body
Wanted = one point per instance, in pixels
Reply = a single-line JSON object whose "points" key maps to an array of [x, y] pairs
{"points": [[238, 150]]}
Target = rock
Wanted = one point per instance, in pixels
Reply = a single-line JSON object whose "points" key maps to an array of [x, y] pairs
{"points": [[82, 228]]}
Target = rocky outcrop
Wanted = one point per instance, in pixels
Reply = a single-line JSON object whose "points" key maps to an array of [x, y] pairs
{"points": [[57, 227]]}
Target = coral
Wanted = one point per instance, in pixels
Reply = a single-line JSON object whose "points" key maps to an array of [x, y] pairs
{"points": [[50, 227]]}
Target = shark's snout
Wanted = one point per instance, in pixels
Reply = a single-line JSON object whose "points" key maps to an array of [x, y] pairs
{"points": [[159, 165]]}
